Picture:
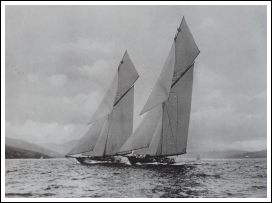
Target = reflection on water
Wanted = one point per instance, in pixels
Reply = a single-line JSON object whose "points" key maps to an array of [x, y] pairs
{"points": [[205, 178]]}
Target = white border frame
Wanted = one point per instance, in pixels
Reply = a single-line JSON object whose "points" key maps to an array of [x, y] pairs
{"points": [[266, 3]]}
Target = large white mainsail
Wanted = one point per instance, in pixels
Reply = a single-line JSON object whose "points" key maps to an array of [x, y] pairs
{"points": [[164, 130], [112, 123]]}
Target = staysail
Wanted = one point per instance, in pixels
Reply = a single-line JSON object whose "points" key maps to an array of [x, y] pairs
{"points": [[162, 87], [112, 123], [164, 130]]}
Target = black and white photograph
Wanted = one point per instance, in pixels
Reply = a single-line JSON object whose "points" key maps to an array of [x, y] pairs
{"points": [[136, 101]]}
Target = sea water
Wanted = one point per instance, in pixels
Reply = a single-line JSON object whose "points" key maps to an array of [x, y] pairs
{"points": [[190, 178]]}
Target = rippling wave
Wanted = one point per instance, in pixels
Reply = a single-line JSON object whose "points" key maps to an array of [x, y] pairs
{"points": [[204, 178]]}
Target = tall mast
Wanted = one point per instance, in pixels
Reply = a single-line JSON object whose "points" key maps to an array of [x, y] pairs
{"points": [[170, 100]]}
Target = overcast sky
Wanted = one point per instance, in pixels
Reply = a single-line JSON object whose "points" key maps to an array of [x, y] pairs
{"points": [[61, 59]]}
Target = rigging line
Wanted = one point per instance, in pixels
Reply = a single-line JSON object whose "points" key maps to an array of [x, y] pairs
{"points": [[105, 149], [162, 130], [123, 95], [145, 147], [160, 137], [169, 121], [185, 70], [82, 130], [182, 74], [98, 119], [116, 102], [160, 142], [170, 124], [130, 151], [96, 141]]}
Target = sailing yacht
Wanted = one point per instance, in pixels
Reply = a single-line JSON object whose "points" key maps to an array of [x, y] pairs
{"points": [[163, 132], [112, 123]]}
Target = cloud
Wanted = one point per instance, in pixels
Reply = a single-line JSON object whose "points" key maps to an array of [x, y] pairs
{"points": [[57, 98], [62, 109], [59, 66], [215, 145], [214, 124], [100, 72], [33, 78], [86, 45], [55, 80], [250, 145], [58, 80], [42, 132], [207, 23], [100, 69]]}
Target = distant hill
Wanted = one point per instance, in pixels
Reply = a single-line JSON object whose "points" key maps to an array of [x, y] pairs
{"points": [[227, 154], [213, 154], [61, 148], [23, 146], [17, 153], [257, 154]]}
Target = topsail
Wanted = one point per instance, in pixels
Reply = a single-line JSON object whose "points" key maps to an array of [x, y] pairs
{"points": [[164, 130], [112, 123]]}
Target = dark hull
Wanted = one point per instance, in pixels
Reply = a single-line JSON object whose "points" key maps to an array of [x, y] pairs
{"points": [[150, 159], [99, 160]]}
